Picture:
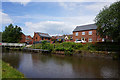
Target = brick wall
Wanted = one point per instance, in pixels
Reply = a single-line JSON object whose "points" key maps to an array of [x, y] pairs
{"points": [[22, 38], [38, 38], [30, 40], [94, 36]]}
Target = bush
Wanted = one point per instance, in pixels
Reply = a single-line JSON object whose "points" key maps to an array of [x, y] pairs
{"points": [[59, 49], [78, 46], [107, 46]]}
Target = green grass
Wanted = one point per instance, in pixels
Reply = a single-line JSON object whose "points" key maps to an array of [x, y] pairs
{"points": [[10, 72], [0, 69]]}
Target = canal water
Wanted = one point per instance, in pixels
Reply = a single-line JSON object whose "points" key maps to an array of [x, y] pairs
{"points": [[35, 65]]}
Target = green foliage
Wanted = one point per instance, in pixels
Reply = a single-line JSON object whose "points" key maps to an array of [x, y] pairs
{"points": [[68, 53], [78, 46], [11, 34], [107, 46], [47, 46], [44, 42], [70, 47], [59, 49], [108, 22], [87, 47]]}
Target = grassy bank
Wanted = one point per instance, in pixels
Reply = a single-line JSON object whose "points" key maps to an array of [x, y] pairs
{"points": [[10, 72]]}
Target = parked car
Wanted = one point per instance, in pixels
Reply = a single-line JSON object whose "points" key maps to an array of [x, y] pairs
{"points": [[80, 41]]}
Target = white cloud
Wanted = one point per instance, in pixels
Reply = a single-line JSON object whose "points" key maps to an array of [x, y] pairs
{"points": [[96, 6], [23, 2], [4, 18], [67, 25], [79, 20], [62, 0], [51, 27], [68, 6]]}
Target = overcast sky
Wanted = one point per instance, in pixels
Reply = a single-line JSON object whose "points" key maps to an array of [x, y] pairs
{"points": [[55, 18]]}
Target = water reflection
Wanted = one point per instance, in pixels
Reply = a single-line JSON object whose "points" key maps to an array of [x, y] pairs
{"points": [[60, 66], [12, 57]]}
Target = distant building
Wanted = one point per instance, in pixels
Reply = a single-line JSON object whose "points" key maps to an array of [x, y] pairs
{"points": [[26, 39], [29, 39], [87, 33], [38, 36], [58, 38], [68, 37]]}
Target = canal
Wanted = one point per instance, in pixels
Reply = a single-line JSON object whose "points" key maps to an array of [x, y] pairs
{"points": [[35, 65]]}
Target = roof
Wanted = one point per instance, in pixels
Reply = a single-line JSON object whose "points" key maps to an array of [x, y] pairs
{"points": [[69, 35], [43, 34], [85, 27]]}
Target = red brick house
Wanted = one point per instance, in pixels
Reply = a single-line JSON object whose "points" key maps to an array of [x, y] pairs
{"points": [[23, 38], [29, 39], [38, 36], [87, 33], [26, 39]]}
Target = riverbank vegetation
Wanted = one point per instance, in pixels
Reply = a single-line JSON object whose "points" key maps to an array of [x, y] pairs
{"points": [[10, 72], [72, 48]]}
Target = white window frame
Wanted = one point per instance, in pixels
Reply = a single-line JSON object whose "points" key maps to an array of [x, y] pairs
{"points": [[90, 32], [90, 40], [76, 34], [83, 33]]}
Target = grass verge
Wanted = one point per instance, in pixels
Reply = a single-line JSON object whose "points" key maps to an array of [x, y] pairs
{"points": [[10, 72]]}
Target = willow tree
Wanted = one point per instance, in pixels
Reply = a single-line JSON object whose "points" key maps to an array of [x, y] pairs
{"points": [[108, 22]]}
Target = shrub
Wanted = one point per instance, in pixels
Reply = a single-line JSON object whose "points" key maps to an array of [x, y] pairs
{"points": [[77, 46]]}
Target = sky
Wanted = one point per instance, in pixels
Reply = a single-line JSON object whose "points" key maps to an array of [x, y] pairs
{"points": [[55, 18]]}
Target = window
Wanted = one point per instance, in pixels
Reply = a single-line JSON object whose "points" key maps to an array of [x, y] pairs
{"points": [[83, 33], [90, 32], [76, 33], [90, 39]]}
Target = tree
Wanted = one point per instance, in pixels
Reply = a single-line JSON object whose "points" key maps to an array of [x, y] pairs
{"points": [[108, 22], [11, 34]]}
